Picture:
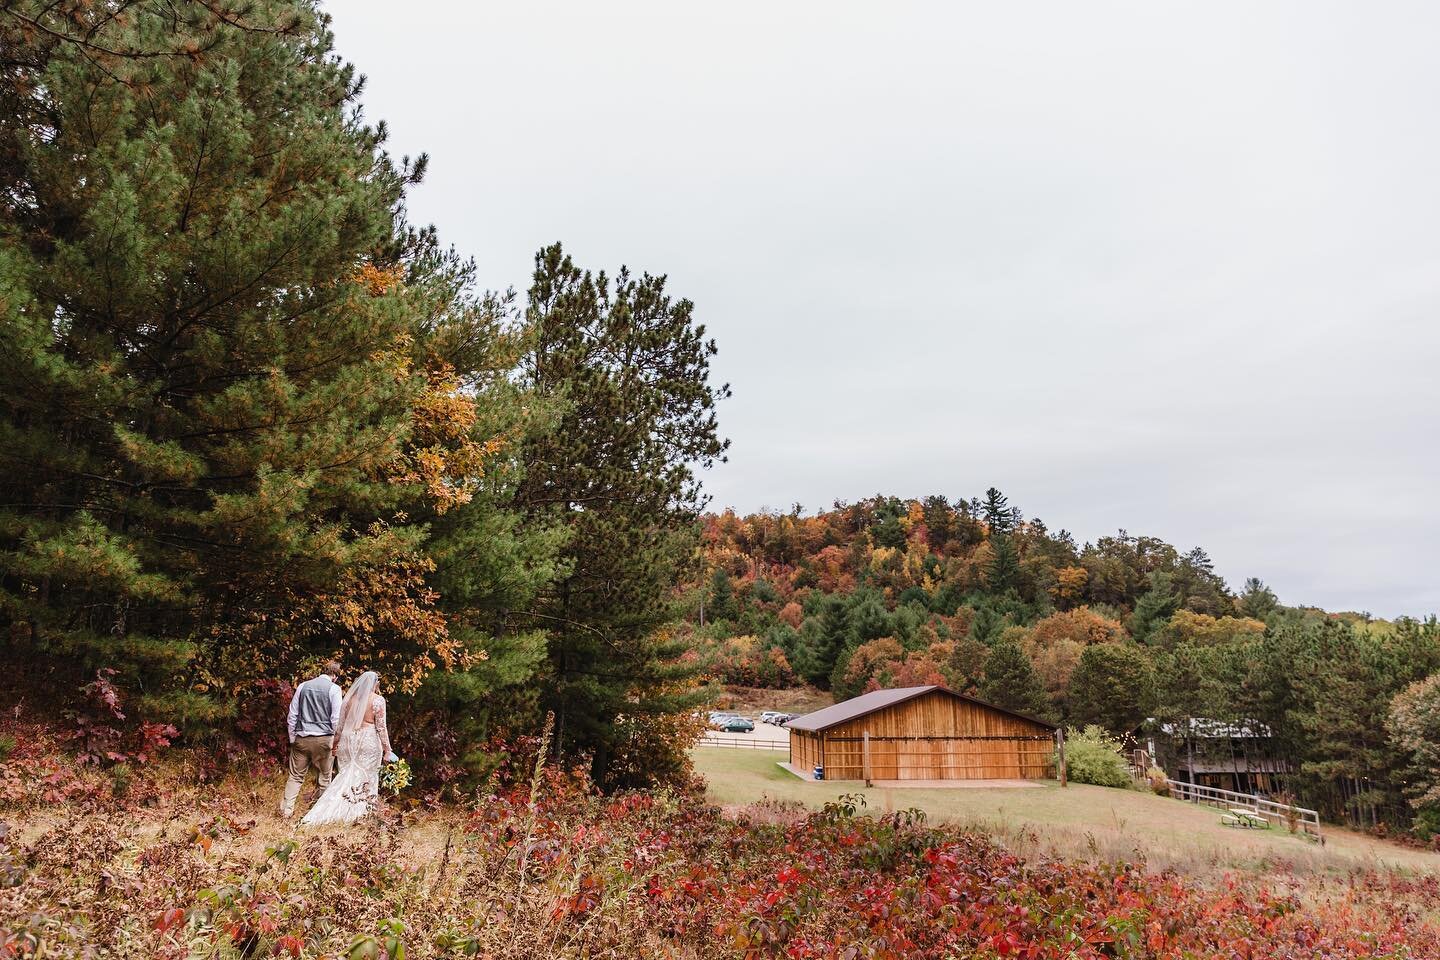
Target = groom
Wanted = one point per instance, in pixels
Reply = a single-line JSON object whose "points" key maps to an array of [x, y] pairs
{"points": [[314, 715]]}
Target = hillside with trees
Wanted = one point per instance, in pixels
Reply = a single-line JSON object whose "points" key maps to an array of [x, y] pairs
{"points": [[1127, 632]]}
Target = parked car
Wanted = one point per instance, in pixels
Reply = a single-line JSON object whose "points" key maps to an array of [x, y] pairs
{"points": [[738, 725], [774, 716], [718, 719]]}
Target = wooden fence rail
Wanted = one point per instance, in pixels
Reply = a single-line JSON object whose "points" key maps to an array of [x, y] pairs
{"points": [[720, 740], [1305, 820]]}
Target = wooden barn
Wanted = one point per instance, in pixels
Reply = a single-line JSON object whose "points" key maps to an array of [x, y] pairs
{"points": [[921, 733]]}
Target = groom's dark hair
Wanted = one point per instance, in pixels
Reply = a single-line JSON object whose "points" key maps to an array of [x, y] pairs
{"points": [[332, 668]]}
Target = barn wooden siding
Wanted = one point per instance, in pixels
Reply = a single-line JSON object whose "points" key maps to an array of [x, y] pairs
{"points": [[804, 751], [935, 736]]}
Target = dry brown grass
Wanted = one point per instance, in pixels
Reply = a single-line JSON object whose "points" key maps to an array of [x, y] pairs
{"points": [[1078, 822], [755, 700]]}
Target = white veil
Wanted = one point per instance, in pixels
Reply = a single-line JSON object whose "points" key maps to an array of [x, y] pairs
{"points": [[352, 709]]}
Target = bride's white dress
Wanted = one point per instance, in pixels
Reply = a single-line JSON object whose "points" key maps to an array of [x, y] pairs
{"points": [[354, 788]]}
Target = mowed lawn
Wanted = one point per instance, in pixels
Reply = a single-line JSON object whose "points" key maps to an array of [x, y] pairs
{"points": [[1077, 821]]}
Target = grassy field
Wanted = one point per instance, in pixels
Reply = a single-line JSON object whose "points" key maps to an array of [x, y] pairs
{"points": [[1078, 821]]}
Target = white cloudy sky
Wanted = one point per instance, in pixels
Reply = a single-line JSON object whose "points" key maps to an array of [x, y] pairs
{"points": [[1173, 267]]}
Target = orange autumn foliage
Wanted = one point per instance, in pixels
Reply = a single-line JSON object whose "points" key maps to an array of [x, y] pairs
{"points": [[443, 456], [379, 281], [1069, 585]]}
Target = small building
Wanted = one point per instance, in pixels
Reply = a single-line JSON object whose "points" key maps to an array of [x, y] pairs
{"points": [[1236, 756], [921, 733]]}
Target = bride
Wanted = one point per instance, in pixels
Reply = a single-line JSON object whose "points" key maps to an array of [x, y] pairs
{"points": [[361, 743]]}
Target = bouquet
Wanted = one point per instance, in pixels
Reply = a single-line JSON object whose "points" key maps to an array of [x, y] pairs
{"points": [[395, 777]]}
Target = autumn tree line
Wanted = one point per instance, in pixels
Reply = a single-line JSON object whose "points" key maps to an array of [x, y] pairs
{"points": [[1127, 632], [253, 417]]}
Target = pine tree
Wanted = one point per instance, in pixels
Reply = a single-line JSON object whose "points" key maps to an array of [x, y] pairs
{"points": [[987, 625], [824, 638], [1155, 607], [1257, 600], [223, 359], [1113, 686], [722, 596], [1002, 573], [1010, 681], [999, 516], [629, 370]]}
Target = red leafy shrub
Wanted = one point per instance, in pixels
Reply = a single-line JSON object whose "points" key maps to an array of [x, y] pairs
{"points": [[102, 736], [545, 867], [260, 720]]}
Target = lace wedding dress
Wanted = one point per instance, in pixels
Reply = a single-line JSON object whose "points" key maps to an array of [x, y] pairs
{"points": [[363, 743]]}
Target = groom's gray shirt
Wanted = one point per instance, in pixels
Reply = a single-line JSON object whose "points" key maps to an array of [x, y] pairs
{"points": [[315, 708]]}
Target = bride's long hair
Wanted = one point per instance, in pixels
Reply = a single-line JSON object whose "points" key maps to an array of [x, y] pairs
{"points": [[352, 708]]}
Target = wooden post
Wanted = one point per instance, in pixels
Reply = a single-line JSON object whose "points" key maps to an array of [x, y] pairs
{"points": [[1060, 746], [865, 746]]}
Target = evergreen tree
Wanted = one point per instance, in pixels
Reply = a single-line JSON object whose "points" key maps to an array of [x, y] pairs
{"points": [[942, 524], [1343, 679], [999, 516], [886, 529], [987, 624], [1010, 681], [1155, 607], [1201, 589], [824, 637], [1002, 573], [629, 369], [722, 596], [226, 363], [1257, 600], [1190, 685], [1113, 686], [868, 618]]}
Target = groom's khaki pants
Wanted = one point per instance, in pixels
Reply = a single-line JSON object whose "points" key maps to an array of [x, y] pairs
{"points": [[306, 752]]}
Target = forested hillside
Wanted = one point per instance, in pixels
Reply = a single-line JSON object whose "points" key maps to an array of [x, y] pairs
{"points": [[972, 594]]}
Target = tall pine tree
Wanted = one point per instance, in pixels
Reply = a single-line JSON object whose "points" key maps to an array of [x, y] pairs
{"points": [[630, 369], [1002, 574], [231, 377]]}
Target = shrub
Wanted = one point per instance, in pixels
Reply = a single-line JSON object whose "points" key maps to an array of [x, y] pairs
{"points": [[1093, 756], [122, 778], [7, 746], [548, 867]]}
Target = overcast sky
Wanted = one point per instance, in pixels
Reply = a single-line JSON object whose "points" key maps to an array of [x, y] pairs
{"points": [[1172, 267]]}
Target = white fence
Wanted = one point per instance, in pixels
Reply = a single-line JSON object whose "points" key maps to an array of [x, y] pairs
{"points": [[1305, 820], [712, 739]]}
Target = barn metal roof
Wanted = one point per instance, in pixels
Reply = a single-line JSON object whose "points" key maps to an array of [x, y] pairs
{"points": [[867, 703]]}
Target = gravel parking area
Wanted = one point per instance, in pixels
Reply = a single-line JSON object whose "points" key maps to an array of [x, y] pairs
{"points": [[764, 736]]}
